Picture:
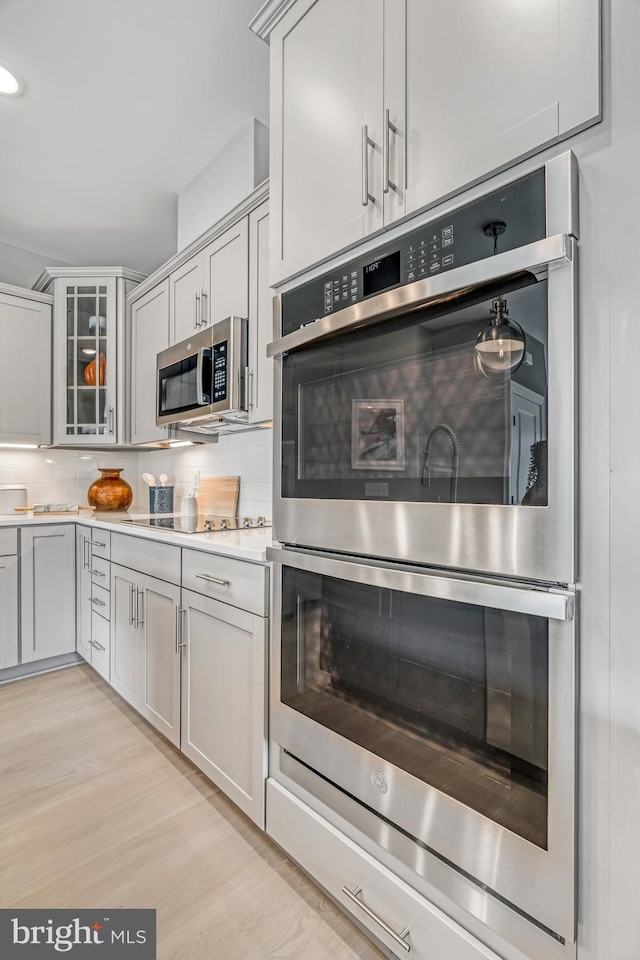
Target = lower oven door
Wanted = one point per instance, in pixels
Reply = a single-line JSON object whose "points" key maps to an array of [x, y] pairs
{"points": [[443, 704]]}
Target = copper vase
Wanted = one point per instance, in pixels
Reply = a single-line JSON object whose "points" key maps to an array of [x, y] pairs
{"points": [[110, 492]]}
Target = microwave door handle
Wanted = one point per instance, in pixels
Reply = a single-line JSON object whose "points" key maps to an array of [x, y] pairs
{"points": [[203, 397]]}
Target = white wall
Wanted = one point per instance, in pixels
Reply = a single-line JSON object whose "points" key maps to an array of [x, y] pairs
{"points": [[64, 476], [247, 455], [23, 267]]}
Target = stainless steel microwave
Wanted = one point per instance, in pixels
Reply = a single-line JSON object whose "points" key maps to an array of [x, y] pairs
{"points": [[202, 380]]}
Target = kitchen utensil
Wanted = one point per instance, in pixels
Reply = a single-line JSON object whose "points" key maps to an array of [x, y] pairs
{"points": [[149, 478], [54, 509], [163, 479], [218, 496], [161, 499]]}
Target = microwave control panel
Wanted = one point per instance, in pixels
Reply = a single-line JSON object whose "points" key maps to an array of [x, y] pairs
{"points": [[499, 221]]}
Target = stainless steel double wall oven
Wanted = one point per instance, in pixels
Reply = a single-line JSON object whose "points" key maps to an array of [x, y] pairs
{"points": [[423, 662]]}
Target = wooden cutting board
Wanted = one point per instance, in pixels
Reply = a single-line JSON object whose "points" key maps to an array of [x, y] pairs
{"points": [[218, 496]]}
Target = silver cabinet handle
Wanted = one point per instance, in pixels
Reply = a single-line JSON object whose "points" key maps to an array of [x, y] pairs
{"points": [[183, 631], [248, 374], [98, 646], [203, 308], [111, 419], [366, 143], [84, 542], [132, 595], [98, 603], [196, 309], [180, 611], [96, 543], [139, 608], [97, 573], [388, 129], [205, 576], [400, 938]]}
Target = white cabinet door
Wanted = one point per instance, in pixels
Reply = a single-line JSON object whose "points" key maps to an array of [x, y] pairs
{"points": [[25, 370], [327, 101], [226, 269], [223, 698], [486, 84], [149, 335], [260, 374], [185, 299], [126, 638], [100, 645], [9, 608], [157, 607], [83, 592], [48, 588]]}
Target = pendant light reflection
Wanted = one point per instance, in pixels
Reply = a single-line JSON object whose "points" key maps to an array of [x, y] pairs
{"points": [[499, 348]]}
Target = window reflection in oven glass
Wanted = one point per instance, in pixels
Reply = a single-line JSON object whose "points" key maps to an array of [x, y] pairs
{"points": [[454, 694]]}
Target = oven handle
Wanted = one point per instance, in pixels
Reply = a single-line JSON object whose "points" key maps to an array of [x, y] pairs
{"points": [[553, 603], [532, 258]]}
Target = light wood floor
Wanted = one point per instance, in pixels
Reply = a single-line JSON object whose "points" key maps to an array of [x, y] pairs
{"points": [[97, 810]]}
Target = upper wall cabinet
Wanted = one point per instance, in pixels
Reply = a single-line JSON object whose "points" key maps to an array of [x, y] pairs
{"points": [[25, 366], [381, 108], [89, 353], [211, 285]]}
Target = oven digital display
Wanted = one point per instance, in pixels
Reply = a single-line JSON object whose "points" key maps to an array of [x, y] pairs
{"points": [[380, 274]]}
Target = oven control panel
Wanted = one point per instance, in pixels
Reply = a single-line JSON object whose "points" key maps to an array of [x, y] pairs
{"points": [[501, 220]]}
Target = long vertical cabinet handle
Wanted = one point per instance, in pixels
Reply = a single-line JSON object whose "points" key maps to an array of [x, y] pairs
{"points": [[203, 308], [132, 596], [111, 420], [366, 143], [389, 128], [196, 309], [183, 628], [85, 552], [248, 379], [139, 608]]}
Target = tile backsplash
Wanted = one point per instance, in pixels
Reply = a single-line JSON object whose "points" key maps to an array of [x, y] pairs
{"points": [[64, 476]]}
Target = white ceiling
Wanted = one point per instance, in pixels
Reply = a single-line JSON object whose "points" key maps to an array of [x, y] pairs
{"points": [[126, 101]]}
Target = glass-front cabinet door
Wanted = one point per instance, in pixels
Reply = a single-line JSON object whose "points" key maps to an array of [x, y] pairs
{"points": [[88, 406]]}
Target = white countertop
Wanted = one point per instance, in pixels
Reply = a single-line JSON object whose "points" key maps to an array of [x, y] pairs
{"points": [[243, 544]]}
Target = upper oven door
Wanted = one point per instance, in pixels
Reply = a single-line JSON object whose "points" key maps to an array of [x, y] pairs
{"points": [[184, 379], [394, 440], [444, 704]]}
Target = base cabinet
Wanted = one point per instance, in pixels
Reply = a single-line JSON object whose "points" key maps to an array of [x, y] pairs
{"points": [[47, 601], [93, 600], [9, 648], [223, 698]]}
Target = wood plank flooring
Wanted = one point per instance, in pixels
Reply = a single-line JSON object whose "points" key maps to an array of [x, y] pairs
{"points": [[97, 810]]}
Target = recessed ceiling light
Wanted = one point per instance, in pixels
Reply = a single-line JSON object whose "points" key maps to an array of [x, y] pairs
{"points": [[10, 83]]}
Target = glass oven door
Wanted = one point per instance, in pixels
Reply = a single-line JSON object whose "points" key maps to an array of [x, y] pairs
{"points": [[435, 424], [444, 705]]}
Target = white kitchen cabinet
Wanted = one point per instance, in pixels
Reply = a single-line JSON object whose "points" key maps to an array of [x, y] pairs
{"points": [[380, 108], [224, 698], [211, 285], [126, 637], [93, 600], [9, 649], [149, 322], [25, 366], [260, 372], [89, 353], [47, 601]]}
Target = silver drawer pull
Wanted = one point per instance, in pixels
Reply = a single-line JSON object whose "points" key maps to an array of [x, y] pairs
{"points": [[98, 646], [97, 573], [398, 937], [98, 603], [205, 576], [96, 543]]}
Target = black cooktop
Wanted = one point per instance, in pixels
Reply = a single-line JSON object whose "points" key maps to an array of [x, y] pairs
{"points": [[199, 524]]}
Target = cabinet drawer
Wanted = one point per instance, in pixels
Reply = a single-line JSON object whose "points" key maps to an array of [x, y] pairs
{"points": [[8, 542], [336, 863], [100, 572], [101, 599], [100, 645], [148, 556], [100, 542], [236, 582]]}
